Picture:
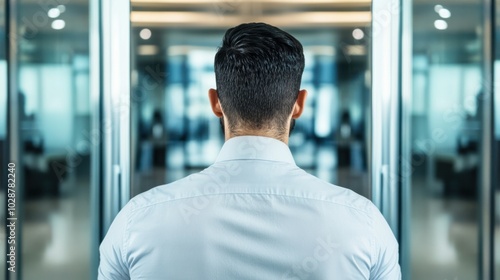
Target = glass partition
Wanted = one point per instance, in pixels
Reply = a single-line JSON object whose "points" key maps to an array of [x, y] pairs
{"points": [[496, 127], [173, 129], [446, 137], [3, 133], [54, 124]]}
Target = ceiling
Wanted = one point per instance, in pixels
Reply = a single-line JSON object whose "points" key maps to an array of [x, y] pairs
{"points": [[313, 17]]}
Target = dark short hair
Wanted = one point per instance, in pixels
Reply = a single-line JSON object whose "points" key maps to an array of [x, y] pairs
{"points": [[258, 70]]}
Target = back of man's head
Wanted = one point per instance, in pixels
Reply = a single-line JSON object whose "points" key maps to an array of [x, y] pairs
{"points": [[258, 70]]}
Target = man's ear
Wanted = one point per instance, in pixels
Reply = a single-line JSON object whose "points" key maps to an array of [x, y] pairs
{"points": [[298, 107], [214, 102]]}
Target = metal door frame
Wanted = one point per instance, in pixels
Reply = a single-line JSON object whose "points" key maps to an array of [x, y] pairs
{"points": [[386, 109], [487, 151], [13, 143], [391, 77], [110, 102]]}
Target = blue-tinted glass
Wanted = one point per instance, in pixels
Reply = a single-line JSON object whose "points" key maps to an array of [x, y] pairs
{"points": [[445, 139], [176, 130]]}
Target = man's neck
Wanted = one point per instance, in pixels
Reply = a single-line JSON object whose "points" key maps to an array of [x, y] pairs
{"points": [[271, 134]]}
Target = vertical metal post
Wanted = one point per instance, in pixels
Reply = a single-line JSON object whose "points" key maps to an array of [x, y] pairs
{"points": [[386, 50], [486, 190], [115, 20], [405, 126], [96, 134], [110, 97], [122, 79], [13, 131], [107, 122]]}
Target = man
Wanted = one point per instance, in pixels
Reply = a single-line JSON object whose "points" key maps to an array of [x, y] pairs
{"points": [[253, 214]]}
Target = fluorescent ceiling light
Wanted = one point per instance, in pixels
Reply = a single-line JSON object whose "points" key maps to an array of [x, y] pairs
{"points": [[53, 13], [321, 50], [333, 2], [186, 49], [355, 50], [58, 24], [318, 1], [148, 50], [440, 24], [61, 8], [297, 19], [444, 13]]}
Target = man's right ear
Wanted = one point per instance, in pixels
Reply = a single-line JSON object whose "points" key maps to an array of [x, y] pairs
{"points": [[214, 102], [299, 105]]}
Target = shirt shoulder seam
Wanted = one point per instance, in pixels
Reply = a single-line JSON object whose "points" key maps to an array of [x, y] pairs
{"points": [[125, 237], [250, 193]]}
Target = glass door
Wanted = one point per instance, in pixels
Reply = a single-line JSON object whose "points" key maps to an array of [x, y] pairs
{"points": [[44, 140], [173, 44], [347, 135], [449, 148], [160, 123], [496, 137], [396, 110]]}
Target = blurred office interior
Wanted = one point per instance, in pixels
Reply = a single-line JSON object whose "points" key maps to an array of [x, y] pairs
{"points": [[70, 144]]}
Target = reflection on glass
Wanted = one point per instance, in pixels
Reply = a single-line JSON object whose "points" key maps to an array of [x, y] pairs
{"points": [[446, 122], [496, 157], [175, 131], [54, 124]]}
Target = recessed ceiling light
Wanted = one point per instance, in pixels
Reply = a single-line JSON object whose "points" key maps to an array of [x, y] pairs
{"points": [[437, 8], [444, 13], [440, 24], [58, 24], [53, 13], [358, 34], [61, 8], [145, 34]]}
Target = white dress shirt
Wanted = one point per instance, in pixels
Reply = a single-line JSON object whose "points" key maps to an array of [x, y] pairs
{"points": [[253, 214]]}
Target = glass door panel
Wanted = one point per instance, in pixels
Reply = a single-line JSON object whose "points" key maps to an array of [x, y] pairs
{"points": [[496, 133], [54, 125], [3, 133], [173, 129], [445, 139]]}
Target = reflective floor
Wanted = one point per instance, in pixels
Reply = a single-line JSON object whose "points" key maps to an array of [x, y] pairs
{"points": [[56, 234], [444, 237]]}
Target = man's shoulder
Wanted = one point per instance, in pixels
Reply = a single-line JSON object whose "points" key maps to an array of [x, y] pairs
{"points": [[179, 189], [294, 184], [319, 189]]}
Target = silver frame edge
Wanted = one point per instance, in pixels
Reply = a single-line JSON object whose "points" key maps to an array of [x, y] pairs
{"points": [[384, 172], [486, 190]]}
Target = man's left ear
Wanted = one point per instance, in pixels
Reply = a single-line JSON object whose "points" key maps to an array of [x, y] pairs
{"points": [[214, 102], [298, 107]]}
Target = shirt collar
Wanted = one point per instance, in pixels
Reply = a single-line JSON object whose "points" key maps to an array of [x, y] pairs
{"points": [[255, 148]]}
